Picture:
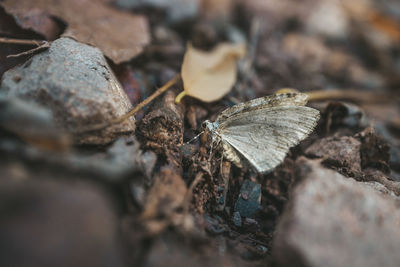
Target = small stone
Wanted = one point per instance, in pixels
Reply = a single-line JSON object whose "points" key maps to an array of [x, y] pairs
{"points": [[214, 226], [251, 225], [74, 81], [338, 152], [262, 249], [375, 151], [237, 219], [345, 118], [249, 200]]}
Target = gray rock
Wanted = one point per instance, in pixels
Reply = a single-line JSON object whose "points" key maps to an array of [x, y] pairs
{"points": [[31, 122], [75, 82], [335, 221]]}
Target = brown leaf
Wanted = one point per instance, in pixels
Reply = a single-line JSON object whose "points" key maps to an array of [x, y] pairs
{"points": [[209, 76], [119, 35]]}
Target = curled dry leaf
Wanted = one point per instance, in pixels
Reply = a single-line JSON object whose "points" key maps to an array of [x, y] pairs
{"points": [[209, 76]]}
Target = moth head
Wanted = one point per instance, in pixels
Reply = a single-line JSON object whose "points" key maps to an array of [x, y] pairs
{"points": [[209, 126]]}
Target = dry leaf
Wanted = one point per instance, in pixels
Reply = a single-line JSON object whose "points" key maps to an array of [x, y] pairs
{"points": [[119, 35], [209, 76]]}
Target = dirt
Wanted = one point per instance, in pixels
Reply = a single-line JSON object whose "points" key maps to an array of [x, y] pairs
{"points": [[145, 193]]}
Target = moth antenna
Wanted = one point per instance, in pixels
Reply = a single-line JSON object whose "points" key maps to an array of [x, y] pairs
{"points": [[194, 138]]}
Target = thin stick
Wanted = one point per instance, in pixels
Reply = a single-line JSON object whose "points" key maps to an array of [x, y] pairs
{"points": [[189, 193], [29, 52], [21, 41], [355, 95], [252, 49], [132, 112]]}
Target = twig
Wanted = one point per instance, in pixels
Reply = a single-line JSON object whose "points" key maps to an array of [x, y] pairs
{"points": [[132, 112], [22, 41], [189, 193], [354, 95], [43, 46], [247, 64], [254, 38]]}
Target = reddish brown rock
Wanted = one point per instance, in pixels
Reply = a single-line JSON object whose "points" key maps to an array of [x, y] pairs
{"points": [[342, 153], [335, 221], [46, 223]]}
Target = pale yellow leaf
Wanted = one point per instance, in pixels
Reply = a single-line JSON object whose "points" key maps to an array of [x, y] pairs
{"points": [[209, 75]]}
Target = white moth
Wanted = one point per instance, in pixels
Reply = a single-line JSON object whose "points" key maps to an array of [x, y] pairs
{"points": [[263, 130]]}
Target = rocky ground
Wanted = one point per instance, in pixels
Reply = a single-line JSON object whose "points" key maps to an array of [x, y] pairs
{"points": [[136, 194]]}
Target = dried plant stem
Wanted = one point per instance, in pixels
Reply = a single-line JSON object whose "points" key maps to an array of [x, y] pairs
{"points": [[4, 40], [189, 193], [179, 97], [354, 95], [41, 47], [132, 112]]}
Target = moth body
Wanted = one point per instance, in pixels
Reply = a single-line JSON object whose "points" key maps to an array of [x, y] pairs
{"points": [[263, 130]]}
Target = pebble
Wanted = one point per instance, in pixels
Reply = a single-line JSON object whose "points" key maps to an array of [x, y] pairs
{"points": [[248, 202]]}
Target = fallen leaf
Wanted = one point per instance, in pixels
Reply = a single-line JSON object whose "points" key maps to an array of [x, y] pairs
{"points": [[119, 35], [209, 76]]}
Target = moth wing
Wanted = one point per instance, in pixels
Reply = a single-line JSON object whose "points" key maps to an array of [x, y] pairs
{"points": [[276, 100], [264, 136]]}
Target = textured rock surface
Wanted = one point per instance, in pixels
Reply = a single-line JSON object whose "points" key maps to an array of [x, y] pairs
{"points": [[75, 82], [25, 118], [339, 152], [335, 221], [249, 199]]}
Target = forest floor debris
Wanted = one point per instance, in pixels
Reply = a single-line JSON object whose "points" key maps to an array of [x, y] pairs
{"points": [[143, 190]]}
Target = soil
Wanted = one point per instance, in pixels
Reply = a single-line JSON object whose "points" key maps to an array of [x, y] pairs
{"points": [[146, 194]]}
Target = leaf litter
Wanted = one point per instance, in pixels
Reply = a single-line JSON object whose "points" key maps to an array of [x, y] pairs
{"points": [[90, 22], [179, 206]]}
